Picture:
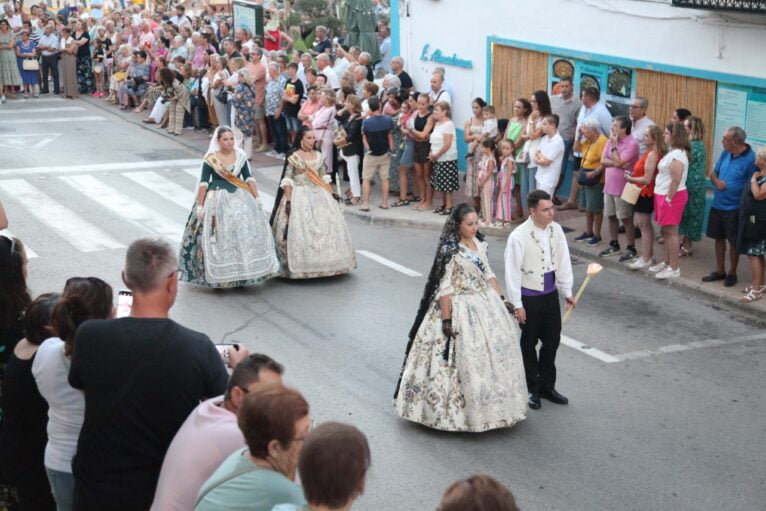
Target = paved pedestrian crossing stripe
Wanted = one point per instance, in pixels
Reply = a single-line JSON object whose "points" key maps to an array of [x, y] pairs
{"points": [[116, 192], [82, 234]]}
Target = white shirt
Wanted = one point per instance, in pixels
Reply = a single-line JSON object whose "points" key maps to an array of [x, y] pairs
{"points": [[49, 40], [639, 131], [341, 65], [180, 21], [442, 95], [663, 180], [514, 256], [552, 148], [437, 140], [332, 77], [207, 437], [66, 405]]}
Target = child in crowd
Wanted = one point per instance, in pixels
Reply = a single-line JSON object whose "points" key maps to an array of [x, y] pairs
{"points": [[505, 172], [486, 177], [98, 68], [489, 130]]}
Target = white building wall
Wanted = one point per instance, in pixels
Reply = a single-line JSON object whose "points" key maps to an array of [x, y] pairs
{"points": [[648, 30]]}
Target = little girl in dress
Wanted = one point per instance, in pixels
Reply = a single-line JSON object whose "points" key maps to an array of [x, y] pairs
{"points": [[505, 172], [486, 180]]}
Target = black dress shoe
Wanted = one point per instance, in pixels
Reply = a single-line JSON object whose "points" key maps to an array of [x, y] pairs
{"points": [[554, 397], [534, 401]]}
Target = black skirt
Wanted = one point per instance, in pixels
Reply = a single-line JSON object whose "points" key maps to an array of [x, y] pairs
{"points": [[444, 176]]}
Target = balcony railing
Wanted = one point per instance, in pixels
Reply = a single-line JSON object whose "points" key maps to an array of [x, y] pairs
{"points": [[752, 6]]}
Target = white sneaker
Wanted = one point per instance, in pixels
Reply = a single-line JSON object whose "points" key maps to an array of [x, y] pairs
{"points": [[640, 264], [668, 273], [2, 99], [658, 267]]}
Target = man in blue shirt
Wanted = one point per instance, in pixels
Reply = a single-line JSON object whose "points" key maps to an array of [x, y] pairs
{"points": [[378, 144], [732, 172]]}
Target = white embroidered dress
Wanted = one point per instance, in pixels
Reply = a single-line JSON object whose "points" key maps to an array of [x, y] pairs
{"points": [[482, 385]]}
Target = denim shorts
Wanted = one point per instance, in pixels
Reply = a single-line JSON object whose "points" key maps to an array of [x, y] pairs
{"points": [[407, 154], [293, 124]]}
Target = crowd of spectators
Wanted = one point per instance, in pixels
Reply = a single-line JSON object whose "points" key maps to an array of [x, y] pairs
{"points": [[139, 412]]}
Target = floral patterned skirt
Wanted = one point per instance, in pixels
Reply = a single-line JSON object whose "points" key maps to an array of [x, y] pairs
{"points": [[85, 75], [314, 240], [482, 386], [232, 246]]}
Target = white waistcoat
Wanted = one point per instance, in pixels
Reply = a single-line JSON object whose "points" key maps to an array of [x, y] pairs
{"points": [[535, 264]]}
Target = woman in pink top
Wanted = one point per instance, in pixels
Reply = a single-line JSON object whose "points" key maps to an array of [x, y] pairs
{"points": [[199, 56], [323, 123], [310, 107]]}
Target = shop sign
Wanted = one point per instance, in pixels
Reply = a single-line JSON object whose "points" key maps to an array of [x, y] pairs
{"points": [[440, 58], [616, 84]]}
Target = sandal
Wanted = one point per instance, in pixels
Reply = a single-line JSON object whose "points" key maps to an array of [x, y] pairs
{"points": [[446, 211], [400, 203], [752, 296], [437, 211], [751, 288], [685, 252]]}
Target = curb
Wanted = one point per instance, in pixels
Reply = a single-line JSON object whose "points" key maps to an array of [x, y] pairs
{"points": [[746, 312]]}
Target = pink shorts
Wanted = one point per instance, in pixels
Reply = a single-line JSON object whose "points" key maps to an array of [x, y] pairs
{"points": [[670, 214]]}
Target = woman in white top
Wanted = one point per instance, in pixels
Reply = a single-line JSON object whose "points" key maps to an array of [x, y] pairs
{"points": [[670, 197], [443, 155], [533, 132], [83, 299]]}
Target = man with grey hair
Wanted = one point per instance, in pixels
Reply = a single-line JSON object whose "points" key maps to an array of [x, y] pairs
{"points": [[141, 376], [641, 122], [322, 43], [397, 68], [438, 92], [732, 172], [360, 77], [324, 67]]}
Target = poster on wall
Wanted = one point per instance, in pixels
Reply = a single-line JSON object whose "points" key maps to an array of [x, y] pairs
{"points": [[616, 84], [740, 106], [249, 16]]}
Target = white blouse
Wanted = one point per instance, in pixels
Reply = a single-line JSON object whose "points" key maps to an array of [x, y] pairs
{"points": [[662, 184], [437, 140]]}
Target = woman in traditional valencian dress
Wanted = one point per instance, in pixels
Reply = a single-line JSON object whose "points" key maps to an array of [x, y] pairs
{"points": [[227, 241], [463, 369], [311, 235]]}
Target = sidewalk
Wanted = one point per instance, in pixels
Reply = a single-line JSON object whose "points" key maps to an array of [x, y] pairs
{"points": [[692, 268]]}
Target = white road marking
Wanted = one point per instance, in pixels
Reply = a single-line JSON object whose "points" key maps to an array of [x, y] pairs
{"points": [[31, 254], [387, 262], [24, 141], [32, 101], [195, 172], [125, 207], [588, 350], [97, 167], [42, 110], [163, 186], [675, 348], [51, 120], [69, 225]]}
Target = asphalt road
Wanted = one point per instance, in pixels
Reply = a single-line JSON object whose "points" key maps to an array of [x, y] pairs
{"points": [[667, 391]]}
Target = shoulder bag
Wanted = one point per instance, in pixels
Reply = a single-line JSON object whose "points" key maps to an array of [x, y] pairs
{"points": [[30, 65], [583, 180]]}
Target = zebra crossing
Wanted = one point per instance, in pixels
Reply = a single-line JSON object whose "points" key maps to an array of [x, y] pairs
{"points": [[100, 207]]}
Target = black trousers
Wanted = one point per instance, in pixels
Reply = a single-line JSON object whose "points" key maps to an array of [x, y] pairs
{"points": [[543, 324], [50, 63]]}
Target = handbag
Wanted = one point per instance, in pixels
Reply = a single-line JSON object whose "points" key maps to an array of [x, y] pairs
{"points": [[755, 229], [30, 65], [523, 156], [222, 95], [584, 180], [338, 135], [631, 193]]}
